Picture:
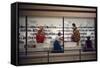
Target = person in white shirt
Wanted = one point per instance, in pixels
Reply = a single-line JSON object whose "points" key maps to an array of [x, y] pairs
{"points": [[58, 43]]}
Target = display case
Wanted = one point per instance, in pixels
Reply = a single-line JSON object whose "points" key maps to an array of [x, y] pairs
{"points": [[52, 33]]}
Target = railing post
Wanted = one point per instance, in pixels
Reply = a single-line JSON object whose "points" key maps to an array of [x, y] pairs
{"points": [[48, 55], [80, 54]]}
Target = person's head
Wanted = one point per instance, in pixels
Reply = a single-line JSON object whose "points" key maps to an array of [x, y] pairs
{"points": [[74, 26], [88, 38], [59, 34], [40, 30], [41, 27]]}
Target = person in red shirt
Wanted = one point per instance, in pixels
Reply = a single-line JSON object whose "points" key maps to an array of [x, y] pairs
{"points": [[40, 36]]}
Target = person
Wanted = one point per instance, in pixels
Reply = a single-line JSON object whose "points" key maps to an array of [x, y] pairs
{"points": [[58, 43], [40, 36], [76, 34], [88, 44]]}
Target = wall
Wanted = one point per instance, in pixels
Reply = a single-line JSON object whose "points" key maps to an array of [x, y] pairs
{"points": [[53, 25]]}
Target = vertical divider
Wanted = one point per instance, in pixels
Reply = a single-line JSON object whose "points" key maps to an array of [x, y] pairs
{"points": [[80, 54], [48, 56], [26, 35], [96, 34], [63, 34], [17, 24]]}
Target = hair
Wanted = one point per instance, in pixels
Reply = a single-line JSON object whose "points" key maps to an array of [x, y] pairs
{"points": [[59, 33], [74, 24], [88, 37]]}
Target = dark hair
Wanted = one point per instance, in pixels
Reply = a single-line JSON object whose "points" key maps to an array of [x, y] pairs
{"points": [[74, 24], [88, 37], [59, 33]]}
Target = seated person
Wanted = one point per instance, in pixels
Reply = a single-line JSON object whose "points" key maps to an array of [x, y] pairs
{"points": [[58, 43], [76, 34], [40, 36], [88, 45]]}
